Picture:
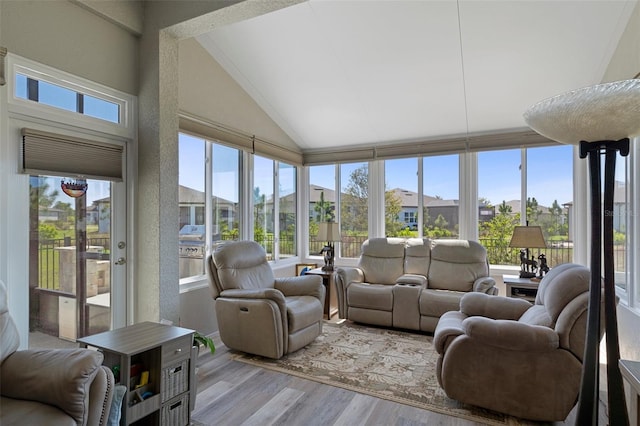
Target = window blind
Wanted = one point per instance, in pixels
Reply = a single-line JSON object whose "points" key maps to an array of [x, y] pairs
{"points": [[63, 155], [237, 139], [521, 138]]}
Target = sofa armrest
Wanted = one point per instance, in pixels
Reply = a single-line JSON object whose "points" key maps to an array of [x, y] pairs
{"points": [[449, 327], [304, 285], [59, 377], [496, 307], [258, 293], [413, 279], [345, 276], [511, 335], [485, 285]]}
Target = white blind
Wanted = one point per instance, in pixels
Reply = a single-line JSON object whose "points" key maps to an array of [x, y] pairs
{"points": [[62, 155]]}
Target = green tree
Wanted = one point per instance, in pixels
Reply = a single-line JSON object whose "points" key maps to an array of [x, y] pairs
{"points": [[324, 209], [393, 206], [354, 213], [497, 234], [533, 210], [505, 208]]}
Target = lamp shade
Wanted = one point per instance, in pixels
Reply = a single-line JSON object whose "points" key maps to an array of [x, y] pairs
{"points": [[604, 112], [328, 231], [527, 237]]}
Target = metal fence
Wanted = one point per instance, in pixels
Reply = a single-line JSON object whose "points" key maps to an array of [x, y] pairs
{"points": [[49, 258]]}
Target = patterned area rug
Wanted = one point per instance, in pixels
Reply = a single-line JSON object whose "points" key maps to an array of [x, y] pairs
{"points": [[388, 364]]}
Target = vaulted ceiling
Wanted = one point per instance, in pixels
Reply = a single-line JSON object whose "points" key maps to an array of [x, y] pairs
{"points": [[346, 73]]}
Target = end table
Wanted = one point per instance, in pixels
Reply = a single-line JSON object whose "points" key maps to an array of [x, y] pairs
{"points": [[522, 288], [330, 298]]}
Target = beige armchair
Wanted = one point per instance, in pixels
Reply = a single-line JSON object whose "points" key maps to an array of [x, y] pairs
{"points": [[50, 386], [514, 357], [258, 313]]}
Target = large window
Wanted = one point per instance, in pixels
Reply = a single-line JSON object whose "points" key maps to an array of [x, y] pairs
{"points": [[549, 193], [287, 209], [401, 199], [441, 188], [214, 209], [354, 207], [322, 203]]}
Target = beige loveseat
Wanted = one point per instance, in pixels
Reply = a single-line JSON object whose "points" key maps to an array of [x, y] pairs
{"points": [[410, 283], [50, 386]]}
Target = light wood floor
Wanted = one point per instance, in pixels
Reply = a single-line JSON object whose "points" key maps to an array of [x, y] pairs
{"points": [[234, 393]]}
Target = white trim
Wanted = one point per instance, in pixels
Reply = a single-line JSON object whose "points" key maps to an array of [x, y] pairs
{"points": [[127, 127]]}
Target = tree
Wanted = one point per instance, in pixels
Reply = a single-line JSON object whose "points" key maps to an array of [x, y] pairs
{"points": [[393, 206], [505, 208], [324, 209], [533, 211], [354, 206], [497, 233]]}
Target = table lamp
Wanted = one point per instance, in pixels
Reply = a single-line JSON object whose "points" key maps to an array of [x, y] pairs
{"points": [[601, 119], [329, 232], [526, 237]]}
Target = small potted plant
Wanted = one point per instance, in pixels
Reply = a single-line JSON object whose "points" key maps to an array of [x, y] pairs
{"points": [[207, 342]]}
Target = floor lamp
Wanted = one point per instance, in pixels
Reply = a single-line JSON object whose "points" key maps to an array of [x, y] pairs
{"points": [[601, 119]]}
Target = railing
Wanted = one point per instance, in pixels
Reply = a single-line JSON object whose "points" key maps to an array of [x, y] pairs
{"points": [[49, 258]]}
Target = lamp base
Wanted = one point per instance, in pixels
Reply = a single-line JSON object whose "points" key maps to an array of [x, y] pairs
{"points": [[526, 274], [327, 268]]}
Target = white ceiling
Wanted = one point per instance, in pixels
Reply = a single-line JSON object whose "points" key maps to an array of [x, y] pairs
{"points": [[341, 73]]}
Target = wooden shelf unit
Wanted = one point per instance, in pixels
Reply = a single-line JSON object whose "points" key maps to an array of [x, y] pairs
{"points": [[168, 354]]}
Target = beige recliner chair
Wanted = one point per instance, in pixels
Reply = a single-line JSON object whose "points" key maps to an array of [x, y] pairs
{"points": [[50, 386], [514, 357], [258, 313]]}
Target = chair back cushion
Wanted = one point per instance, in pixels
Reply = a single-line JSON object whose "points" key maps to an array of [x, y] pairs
{"points": [[456, 264], [382, 260], [560, 286], [417, 256], [9, 340], [242, 265]]}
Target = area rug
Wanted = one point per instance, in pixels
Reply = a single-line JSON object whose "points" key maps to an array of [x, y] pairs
{"points": [[393, 365]]}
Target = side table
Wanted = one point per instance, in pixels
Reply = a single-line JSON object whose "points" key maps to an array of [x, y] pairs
{"points": [[330, 299], [156, 362], [522, 288]]}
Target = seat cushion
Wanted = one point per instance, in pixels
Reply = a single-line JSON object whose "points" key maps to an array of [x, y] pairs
{"points": [[22, 412], [302, 311], [434, 303], [370, 296]]}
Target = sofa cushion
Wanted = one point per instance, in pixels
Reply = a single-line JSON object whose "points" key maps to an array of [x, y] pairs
{"points": [[370, 296], [456, 264], [21, 412], [382, 260], [302, 311], [435, 303], [417, 256]]}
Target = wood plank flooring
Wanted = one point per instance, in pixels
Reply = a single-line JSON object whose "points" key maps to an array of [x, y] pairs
{"points": [[234, 393]]}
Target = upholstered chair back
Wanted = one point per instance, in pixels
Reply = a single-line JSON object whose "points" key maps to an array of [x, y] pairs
{"points": [[561, 303], [456, 264], [241, 265], [417, 256], [382, 260], [9, 340]]}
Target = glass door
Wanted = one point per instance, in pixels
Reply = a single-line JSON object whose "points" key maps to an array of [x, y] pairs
{"points": [[76, 260]]}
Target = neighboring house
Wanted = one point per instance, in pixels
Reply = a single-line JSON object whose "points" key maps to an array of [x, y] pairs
{"points": [[192, 209]]}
